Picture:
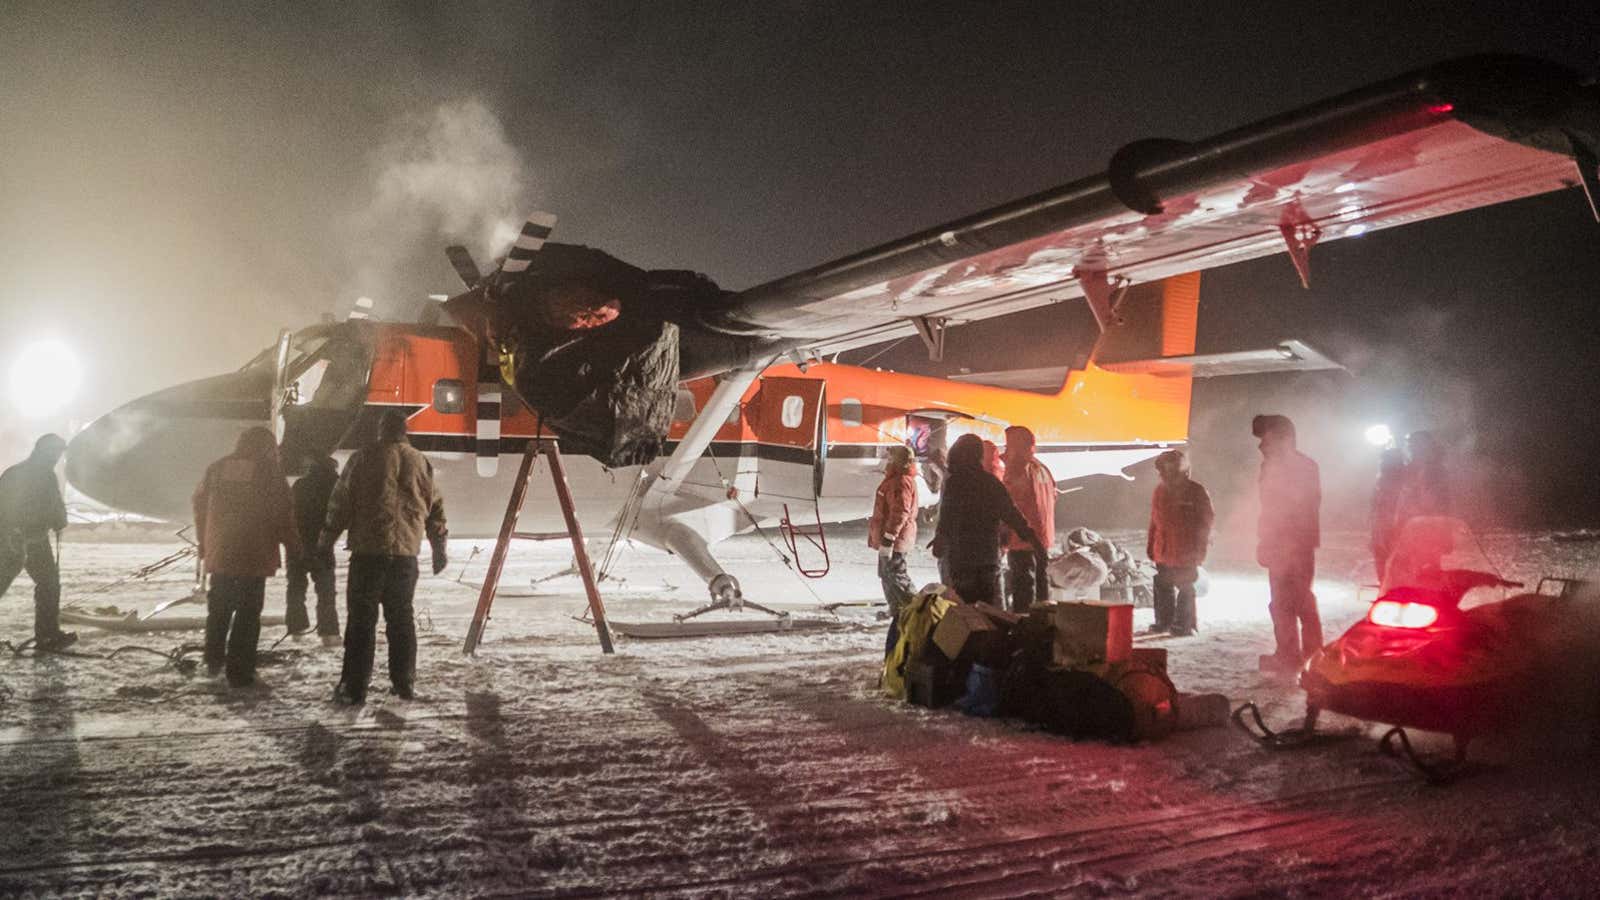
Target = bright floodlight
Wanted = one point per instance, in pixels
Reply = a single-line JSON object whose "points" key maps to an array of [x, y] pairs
{"points": [[44, 378], [1379, 435]]}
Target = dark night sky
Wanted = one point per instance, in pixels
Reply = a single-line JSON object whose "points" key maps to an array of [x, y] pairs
{"points": [[181, 180]]}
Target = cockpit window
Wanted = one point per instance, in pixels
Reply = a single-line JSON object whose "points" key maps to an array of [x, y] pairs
{"points": [[327, 367], [303, 344]]}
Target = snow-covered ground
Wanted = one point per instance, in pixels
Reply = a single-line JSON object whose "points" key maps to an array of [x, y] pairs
{"points": [[736, 766]]}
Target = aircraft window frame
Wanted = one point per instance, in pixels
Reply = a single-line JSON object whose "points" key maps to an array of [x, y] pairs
{"points": [[793, 411], [442, 402], [304, 347], [683, 407], [850, 412]]}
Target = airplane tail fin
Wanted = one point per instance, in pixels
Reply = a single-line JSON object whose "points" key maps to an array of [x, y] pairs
{"points": [[1157, 319], [1154, 320]]}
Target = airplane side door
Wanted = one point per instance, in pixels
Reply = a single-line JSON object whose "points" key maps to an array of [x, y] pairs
{"points": [[787, 417]]}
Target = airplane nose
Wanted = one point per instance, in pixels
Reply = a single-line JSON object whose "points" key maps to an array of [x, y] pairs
{"points": [[146, 457]]}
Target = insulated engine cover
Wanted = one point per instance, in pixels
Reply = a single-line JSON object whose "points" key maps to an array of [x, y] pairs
{"points": [[595, 345]]}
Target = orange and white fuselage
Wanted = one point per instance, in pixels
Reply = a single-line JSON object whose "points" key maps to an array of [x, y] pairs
{"points": [[806, 442]]}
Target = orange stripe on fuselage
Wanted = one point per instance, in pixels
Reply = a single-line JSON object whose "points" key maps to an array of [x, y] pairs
{"points": [[1094, 406]]}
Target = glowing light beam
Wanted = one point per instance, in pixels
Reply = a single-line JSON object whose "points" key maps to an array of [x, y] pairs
{"points": [[45, 377]]}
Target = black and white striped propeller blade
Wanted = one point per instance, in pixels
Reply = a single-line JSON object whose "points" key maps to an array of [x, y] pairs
{"points": [[534, 233]]}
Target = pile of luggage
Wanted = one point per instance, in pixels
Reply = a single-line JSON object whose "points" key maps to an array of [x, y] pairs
{"points": [[1070, 668], [1095, 565]]}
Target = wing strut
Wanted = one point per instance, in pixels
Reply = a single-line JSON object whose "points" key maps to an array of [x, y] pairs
{"points": [[1588, 174], [1300, 234], [1103, 294], [931, 330]]}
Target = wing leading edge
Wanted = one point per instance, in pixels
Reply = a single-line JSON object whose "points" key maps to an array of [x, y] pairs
{"points": [[1452, 137]]}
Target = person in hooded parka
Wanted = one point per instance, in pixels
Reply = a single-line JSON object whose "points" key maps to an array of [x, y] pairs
{"points": [[243, 512], [30, 509]]}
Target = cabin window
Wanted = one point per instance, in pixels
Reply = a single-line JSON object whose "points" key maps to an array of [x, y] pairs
{"points": [[850, 411], [449, 396], [794, 410], [683, 408]]}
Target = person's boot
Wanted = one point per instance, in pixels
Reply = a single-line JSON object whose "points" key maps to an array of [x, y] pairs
{"points": [[404, 692], [61, 640], [343, 696]]}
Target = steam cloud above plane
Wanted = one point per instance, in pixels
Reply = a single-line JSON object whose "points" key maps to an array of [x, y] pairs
{"points": [[447, 174]]}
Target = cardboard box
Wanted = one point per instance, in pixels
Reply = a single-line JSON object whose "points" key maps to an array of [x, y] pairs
{"points": [[1151, 657], [1088, 633], [961, 626], [1001, 618]]}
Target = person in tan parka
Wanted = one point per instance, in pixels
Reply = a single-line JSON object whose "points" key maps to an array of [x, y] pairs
{"points": [[387, 500]]}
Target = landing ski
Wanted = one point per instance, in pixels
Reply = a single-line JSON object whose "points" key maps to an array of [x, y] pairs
{"points": [[696, 628]]}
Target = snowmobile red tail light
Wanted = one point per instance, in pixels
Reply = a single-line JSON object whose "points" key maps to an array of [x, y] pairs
{"points": [[1392, 614]]}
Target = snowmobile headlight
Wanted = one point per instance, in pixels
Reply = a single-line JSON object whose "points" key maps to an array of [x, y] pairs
{"points": [[1392, 614]]}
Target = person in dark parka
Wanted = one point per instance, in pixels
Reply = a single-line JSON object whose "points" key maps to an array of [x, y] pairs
{"points": [[242, 511], [30, 509], [974, 505], [387, 500], [311, 495]]}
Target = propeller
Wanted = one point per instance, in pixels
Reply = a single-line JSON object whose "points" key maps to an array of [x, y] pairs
{"points": [[534, 233], [461, 261]]}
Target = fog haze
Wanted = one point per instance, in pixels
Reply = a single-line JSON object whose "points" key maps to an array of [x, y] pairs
{"points": [[182, 180]]}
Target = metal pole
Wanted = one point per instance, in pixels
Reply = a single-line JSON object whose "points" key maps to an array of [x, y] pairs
{"points": [[502, 545], [558, 474]]}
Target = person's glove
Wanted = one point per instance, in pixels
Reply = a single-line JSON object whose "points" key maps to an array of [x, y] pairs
{"points": [[440, 559], [885, 549]]}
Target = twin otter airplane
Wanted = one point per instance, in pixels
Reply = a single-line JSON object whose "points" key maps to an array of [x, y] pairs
{"points": [[688, 413]]}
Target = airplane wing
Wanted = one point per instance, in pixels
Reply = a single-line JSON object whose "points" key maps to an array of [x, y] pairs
{"points": [[1455, 136]]}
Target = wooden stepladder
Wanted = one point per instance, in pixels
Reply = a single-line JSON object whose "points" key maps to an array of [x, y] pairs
{"points": [[509, 533]]}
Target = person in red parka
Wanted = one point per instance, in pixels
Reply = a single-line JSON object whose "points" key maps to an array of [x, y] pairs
{"points": [[893, 530], [242, 511], [1033, 490], [1288, 534], [1180, 533]]}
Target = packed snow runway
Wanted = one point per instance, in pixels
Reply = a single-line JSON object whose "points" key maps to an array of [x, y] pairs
{"points": [[760, 765]]}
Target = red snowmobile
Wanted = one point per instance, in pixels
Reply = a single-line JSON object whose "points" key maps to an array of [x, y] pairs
{"points": [[1419, 660]]}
